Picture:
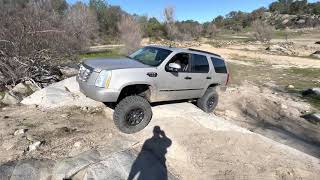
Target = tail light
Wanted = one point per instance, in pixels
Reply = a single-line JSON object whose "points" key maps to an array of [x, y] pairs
{"points": [[228, 78]]}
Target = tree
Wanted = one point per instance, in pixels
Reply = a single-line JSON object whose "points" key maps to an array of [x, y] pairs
{"points": [[189, 29], [155, 28], [236, 20], [171, 28], [143, 22], [130, 33], [258, 14], [80, 24], [298, 7], [212, 30], [107, 17], [219, 21], [261, 30], [316, 8], [59, 5], [33, 36], [281, 6]]}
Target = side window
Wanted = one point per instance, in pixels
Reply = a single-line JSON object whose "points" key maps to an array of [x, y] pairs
{"points": [[183, 60], [219, 65], [200, 64]]}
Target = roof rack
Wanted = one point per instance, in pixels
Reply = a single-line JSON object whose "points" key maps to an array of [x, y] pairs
{"points": [[197, 50]]}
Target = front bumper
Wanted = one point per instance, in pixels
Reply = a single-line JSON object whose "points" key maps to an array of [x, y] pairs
{"points": [[97, 93]]}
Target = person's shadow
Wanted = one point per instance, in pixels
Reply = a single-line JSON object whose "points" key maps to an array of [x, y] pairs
{"points": [[151, 161]]}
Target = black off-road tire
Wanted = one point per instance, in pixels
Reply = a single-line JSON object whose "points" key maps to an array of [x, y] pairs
{"points": [[209, 101], [125, 107]]}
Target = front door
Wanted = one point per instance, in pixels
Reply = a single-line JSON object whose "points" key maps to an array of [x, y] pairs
{"points": [[175, 85]]}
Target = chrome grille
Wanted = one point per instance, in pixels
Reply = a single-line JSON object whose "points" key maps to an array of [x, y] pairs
{"points": [[84, 73]]}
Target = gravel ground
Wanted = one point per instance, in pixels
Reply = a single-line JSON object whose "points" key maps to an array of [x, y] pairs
{"points": [[202, 146]]}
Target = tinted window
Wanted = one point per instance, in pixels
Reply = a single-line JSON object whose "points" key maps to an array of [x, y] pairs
{"points": [[219, 65], [199, 64]]}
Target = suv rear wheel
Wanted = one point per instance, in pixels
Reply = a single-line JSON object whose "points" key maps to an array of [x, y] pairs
{"points": [[132, 114], [209, 100]]}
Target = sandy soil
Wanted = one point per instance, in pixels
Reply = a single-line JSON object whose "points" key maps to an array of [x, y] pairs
{"points": [[256, 132], [290, 61], [274, 114], [203, 146]]}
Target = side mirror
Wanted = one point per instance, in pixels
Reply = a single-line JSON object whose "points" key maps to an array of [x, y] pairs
{"points": [[174, 67]]}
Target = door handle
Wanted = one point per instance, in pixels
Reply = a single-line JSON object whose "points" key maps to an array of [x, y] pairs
{"points": [[208, 77], [188, 78]]}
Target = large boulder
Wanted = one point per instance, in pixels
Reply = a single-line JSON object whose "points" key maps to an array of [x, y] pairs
{"points": [[32, 86], [27, 169], [10, 99], [301, 21], [66, 168], [69, 71], [60, 94], [284, 22], [21, 88], [279, 50], [316, 54], [313, 118], [126, 165], [316, 91]]}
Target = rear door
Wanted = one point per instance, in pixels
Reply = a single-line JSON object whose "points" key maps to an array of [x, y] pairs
{"points": [[199, 74]]}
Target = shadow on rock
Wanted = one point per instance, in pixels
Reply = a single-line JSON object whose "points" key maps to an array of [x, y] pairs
{"points": [[27, 169], [151, 161]]}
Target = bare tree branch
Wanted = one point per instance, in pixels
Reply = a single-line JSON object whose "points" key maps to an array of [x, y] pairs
{"points": [[47, 31]]}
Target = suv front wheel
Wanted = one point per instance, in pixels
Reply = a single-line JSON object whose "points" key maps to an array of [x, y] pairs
{"points": [[209, 100], [132, 114]]}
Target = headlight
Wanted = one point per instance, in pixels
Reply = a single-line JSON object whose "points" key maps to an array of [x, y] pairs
{"points": [[103, 79]]}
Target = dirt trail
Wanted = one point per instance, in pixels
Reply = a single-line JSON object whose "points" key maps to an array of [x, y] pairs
{"points": [[203, 146], [208, 147], [269, 140]]}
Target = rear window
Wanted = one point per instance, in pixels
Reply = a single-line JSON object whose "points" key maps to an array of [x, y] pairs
{"points": [[199, 64], [219, 65]]}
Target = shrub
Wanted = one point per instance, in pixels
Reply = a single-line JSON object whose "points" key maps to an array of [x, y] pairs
{"points": [[34, 34], [261, 30], [130, 33]]}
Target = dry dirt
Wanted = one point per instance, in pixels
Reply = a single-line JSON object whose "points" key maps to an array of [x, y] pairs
{"points": [[203, 146], [256, 131], [256, 53], [274, 114]]}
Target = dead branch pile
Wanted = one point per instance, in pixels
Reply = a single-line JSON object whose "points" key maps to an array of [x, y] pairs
{"points": [[34, 35]]}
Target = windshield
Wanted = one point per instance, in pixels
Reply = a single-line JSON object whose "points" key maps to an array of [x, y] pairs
{"points": [[151, 56]]}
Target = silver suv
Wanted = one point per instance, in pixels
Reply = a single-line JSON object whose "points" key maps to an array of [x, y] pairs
{"points": [[153, 74]]}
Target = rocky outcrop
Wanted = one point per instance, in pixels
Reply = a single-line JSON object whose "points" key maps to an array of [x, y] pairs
{"points": [[316, 54], [69, 71], [10, 99], [18, 92], [87, 165], [312, 91], [280, 49], [294, 21], [63, 93]]}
